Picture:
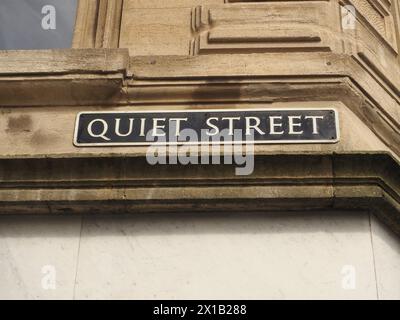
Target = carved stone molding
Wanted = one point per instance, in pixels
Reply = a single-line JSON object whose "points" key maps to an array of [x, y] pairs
{"points": [[378, 15], [267, 27], [98, 24], [281, 182], [104, 77]]}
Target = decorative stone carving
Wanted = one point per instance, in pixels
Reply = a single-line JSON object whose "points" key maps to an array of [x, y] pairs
{"points": [[267, 27]]}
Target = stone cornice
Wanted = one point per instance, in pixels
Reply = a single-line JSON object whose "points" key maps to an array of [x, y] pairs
{"points": [[110, 77], [280, 182], [141, 78]]}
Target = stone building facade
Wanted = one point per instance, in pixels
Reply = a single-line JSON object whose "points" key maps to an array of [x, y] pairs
{"points": [[314, 220]]}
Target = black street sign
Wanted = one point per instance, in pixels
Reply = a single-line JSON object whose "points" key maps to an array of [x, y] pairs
{"points": [[260, 126]]}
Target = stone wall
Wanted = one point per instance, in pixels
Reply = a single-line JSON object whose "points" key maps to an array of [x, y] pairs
{"points": [[132, 55]]}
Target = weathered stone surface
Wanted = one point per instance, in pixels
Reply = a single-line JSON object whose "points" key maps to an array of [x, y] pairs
{"points": [[296, 217], [206, 54]]}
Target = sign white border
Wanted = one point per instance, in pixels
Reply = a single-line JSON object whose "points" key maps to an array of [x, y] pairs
{"points": [[127, 144]]}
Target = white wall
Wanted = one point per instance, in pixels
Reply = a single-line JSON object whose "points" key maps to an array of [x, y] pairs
{"points": [[260, 256]]}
